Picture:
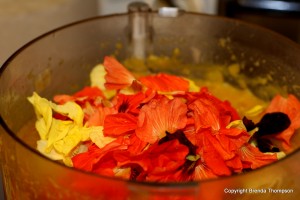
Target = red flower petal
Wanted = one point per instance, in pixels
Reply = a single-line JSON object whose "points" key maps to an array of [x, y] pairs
{"points": [[212, 158], [165, 82], [159, 116], [235, 164], [237, 137], [85, 161], [158, 162], [210, 112], [167, 156], [62, 98], [129, 103], [202, 172], [166, 159], [90, 92], [136, 145], [291, 107], [88, 161], [117, 76], [119, 124], [253, 158], [86, 94]]}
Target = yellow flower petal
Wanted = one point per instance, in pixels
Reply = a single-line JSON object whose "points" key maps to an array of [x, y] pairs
{"points": [[69, 142], [237, 124], [97, 76], [192, 86], [99, 139], [71, 110], [87, 131], [68, 162], [255, 111], [193, 158], [44, 114], [280, 155], [54, 155], [58, 131]]}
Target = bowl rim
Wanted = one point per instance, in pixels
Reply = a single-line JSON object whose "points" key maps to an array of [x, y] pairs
{"points": [[8, 131]]}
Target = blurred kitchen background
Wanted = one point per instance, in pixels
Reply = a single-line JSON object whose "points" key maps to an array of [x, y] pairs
{"points": [[23, 20]]}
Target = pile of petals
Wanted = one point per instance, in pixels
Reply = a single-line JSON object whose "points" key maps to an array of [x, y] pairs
{"points": [[158, 127]]}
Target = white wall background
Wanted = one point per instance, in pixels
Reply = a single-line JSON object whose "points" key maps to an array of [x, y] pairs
{"points": [[23, 20]]}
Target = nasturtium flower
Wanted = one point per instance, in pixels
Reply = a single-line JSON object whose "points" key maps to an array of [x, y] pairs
{"points": [[289, 105], [117, 76], [97, 77], [159, 116], [252, 158], [129, 103], [62, 136], [43, 113], [209, 111], [70, 110], [86, 94], [69, 142], [166, 159], [165, 82], [192, 86], [91, 159], [157, 163], [119, 124], [95, 115], [52, 154], [202, 172], [211, 156], [59, 130]]}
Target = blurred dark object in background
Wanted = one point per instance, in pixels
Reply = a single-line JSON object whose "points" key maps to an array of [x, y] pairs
{"points": [[282, 16]]}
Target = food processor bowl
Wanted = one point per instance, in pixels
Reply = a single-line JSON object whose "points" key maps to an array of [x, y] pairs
{"points": [[59, 62]]}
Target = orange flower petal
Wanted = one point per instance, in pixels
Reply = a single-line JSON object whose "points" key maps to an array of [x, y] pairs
{"points": [[206, 114], [161, 115], [119, 124], [225, 148], [209, 111], [90, 92], [165, 82], [252, 157], [117, 76], [86, 94], [97, 115]]}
